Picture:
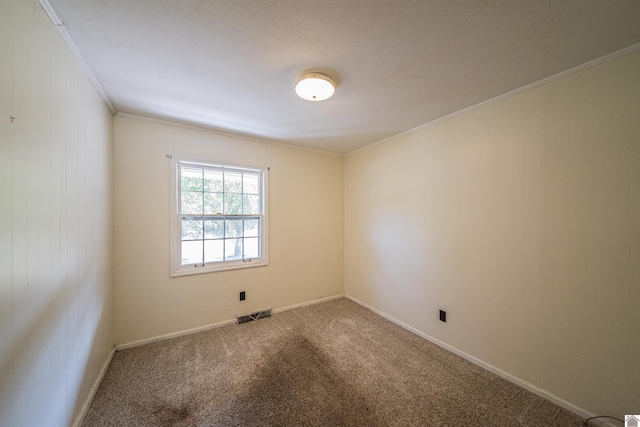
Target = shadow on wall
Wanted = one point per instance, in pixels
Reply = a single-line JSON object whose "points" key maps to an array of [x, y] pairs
{"points": [[46, 364]]}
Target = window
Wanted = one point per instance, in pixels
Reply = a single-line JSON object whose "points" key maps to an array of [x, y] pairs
{"points": [[219, 216]]}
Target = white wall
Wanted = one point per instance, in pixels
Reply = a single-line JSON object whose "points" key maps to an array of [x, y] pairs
{"points": [[522, 220], [56, 302], [305, 229]]}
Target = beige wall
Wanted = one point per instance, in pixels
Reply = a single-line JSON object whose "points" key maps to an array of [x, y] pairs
{"points": [[305, 228], [56, 300], [522, 220]]}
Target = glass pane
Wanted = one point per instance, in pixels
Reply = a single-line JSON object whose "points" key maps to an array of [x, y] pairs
{"points": [[250, 204], [233, 228], [232, 204], [251, 227], [213, 181], [232, 182], [191, 179], [213, 203], [191, 228], [250, 184], [232, 249], [191, 203], [252, 248], [191, 253], [213, 250], [213, 228]]}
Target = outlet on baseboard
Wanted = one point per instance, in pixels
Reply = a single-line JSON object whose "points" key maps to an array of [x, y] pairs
{"points": [[243, 296], [443, 316]]}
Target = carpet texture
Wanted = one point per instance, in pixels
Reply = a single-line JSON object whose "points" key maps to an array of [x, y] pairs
{"points": [[330, 364]]}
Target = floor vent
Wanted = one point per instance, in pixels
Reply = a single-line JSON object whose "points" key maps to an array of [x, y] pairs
{"points": [[254, 316]]}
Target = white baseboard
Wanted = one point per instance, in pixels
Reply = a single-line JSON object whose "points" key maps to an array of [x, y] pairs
{"points": [[92, 393], [524, 384], [176, 334], [518, 381], [304, 304]]}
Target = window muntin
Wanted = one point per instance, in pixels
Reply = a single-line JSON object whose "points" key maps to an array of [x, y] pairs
{"points": [[205, 239], [220, 218]]}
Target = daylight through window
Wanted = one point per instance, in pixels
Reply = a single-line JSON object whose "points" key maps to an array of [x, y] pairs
{"points": [[220, 217]]}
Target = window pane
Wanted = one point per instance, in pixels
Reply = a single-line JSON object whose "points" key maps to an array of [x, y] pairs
{"points": [[191, 179], [213, 181], [250, 184], [233, 228], [220, 216], [191, 228], [213, 250], [232, 182], [250, 205], [214, 229], [232, 204], [191, 203], [191, 253], [213, 203], [252, 247], [251, 227], [232, 249]]}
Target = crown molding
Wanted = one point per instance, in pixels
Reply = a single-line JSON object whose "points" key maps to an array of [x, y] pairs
{"points": [[593, 63], [62, 28]]}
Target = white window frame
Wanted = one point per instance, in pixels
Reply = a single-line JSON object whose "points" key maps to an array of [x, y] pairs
{"points": [[176, 220]]}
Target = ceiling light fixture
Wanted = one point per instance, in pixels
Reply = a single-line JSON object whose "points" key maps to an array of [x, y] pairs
{"points": [[315, 87]]}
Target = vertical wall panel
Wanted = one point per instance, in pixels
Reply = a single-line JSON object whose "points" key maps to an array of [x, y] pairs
{"points": [[39, 315], [24, 30], [55, 187], [557, 289], [7, 47], [602, 164], [634, 285], [57, 330]]}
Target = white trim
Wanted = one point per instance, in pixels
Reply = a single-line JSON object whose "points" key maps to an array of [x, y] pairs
{"points": [[304, 304], [176, 334], [598, 61], [221, 266], [178, 270], [222, 132], [164, 337], [507, 376], [92, 393], [62, 27]]}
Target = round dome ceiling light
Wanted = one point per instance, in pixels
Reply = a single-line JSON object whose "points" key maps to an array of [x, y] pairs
{"points": [[315, 87]]}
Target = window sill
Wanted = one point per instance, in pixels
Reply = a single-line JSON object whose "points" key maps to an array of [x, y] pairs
{"points": [[188, 271]]}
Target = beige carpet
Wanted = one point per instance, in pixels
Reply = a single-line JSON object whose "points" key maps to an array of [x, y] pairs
{"points": [[330, 364]]}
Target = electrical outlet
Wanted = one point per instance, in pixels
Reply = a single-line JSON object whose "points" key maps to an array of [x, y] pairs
{"points": [[243, 296], [443, 316]]}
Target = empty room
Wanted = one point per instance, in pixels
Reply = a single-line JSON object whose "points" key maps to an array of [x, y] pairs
{"points": [[319, 213]]}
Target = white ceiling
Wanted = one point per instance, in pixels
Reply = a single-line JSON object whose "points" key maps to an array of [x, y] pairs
{"points": [[232, 64]]}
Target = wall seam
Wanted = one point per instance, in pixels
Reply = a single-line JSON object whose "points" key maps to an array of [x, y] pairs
{"points": [[542, 187]]}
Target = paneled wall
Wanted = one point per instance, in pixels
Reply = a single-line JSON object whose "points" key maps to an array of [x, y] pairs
{"points": [[56, 300], [521, 219]]}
